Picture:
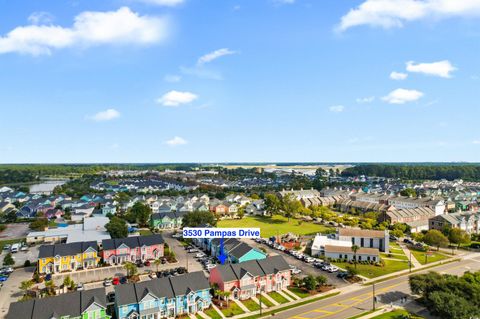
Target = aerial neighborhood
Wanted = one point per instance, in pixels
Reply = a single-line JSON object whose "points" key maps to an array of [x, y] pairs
{"points": [[110, 245]]}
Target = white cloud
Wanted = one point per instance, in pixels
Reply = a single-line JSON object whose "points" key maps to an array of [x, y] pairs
{"points": [[476, 142], [440, 68], [284, 1], [177, 140], [402, 96], [106, 115], [362, 100], [394, 13], [172, 78], [176, 98], [398, 76], [336, 108], [40, 17], [165, 3], [89, 28], [209, 57]]}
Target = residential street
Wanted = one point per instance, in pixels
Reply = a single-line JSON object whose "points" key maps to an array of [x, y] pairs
{"points": [[358, 301]]}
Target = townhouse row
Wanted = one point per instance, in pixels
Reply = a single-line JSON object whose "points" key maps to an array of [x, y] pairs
{"points": [[166, 297], [235, 250], [86, 255]]}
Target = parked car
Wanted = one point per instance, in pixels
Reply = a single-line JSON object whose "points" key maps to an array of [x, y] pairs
{"points": [[123, 280], [342, 274], [147, 263], [48, 277], [181, 270], [107, 282], [309, 259], [7, 270], [111, 297], [200, 255], [3, 278], [296, 271], [139, 264], [193, 250], [7, 247], [80, 287], [116, 281], [24, 248], [164, 260]]}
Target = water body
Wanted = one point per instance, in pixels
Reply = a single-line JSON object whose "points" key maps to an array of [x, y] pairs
{"points": [[46, 187]]}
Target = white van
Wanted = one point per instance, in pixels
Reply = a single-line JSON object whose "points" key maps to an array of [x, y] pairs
{"points": [[15, 248]]}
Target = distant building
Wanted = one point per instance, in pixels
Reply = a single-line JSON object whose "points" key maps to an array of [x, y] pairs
{"points": [[346, 253], [365, 238], [467, 221]]}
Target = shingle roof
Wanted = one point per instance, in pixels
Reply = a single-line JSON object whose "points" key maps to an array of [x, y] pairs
{"points": [[69, 304], [133, 242], [354, 232], [65, 249], [267, 266]]}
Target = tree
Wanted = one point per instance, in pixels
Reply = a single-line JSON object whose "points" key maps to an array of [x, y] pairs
{"points": [[8, 260], [321, 280], [68, 282], [290, 206], [157, 263], [131, 269], [435, 238], [26, 285], [139, 213], [309, 282], [39, 224], [272, 204], [241, 212], [458, 236], [409, 192], [355, 248], [197, 218], [351, 272], [117, 228]]}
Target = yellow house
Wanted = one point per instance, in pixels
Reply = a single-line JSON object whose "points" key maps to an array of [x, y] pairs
{"points": [[67, 257]]}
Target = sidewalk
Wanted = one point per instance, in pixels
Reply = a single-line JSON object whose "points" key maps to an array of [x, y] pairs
{"points": [[410, 256]]}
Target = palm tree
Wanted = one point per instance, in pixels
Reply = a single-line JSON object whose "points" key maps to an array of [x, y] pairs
{"points": [[131, 268], [157, 263], [355, 248], [26, 285]]}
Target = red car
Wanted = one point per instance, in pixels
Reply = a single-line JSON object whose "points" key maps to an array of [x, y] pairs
{"points": [[116, 281], [147, 263]]}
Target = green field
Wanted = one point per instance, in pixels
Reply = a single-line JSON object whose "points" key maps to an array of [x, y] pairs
{"points": [[299, 292], [212, 313], [276, 225], [371, 271], [420, 256], [265, 301], [396, 314], [277, 297], [232, 310], [251, 305]]}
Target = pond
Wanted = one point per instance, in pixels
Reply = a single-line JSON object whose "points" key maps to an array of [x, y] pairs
{"points": [[46, 187]]}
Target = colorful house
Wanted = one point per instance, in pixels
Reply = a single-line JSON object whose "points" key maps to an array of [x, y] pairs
{"points": [[236, 250], [163, 297], [67, 257], [247, 279], [133, 249], [75, 305], [167, 220]]}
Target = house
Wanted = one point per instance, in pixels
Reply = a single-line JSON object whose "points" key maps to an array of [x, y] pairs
{"points": [[166, 297], [67, 257], [247, 279], [74, 305], [416, 218], [79, 213], [365, 238], [53, 213], [236, 250], [6, 206], [133, 249], [168, 220], [109, 208], [468, 221], [346, 253], [319, 243]]}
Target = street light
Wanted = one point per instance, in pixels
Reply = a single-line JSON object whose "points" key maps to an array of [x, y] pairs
{"points": [[374, 297], [410, 261]]}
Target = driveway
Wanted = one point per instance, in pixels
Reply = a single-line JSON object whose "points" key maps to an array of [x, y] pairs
{"points": [[306, 268]]}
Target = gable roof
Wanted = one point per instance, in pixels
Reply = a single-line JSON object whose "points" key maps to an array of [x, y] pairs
{"points": [[66, 249], [133, 242], [267, 266], [70, 304]]}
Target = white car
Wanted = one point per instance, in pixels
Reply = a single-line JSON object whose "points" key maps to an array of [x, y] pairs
{"points": [[296, 271], [211, 266], [309, 260], [332, 268], [200, 255]]}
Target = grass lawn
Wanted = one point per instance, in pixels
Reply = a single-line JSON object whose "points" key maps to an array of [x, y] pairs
{"points": [[265, 301], [299, 292], [251, 305], [232, 310], [212, 313], [10, 241], [393, 254], [276, 225], [198, 316], [396, 314], [371, 271], [277, 297], [433, 257], [145, 232]]}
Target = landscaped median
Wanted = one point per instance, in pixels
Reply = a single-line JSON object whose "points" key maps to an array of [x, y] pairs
{"points": [[384, 313]]}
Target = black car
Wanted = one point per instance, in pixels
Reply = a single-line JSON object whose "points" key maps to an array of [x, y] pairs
{"points": [[159, 274], [140, 264], [164, 261], [123, 280], [111, 297], [181, 270]]}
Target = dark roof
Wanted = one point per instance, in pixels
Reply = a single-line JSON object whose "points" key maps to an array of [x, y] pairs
{"points": [[274, 264], [240, 250], [133, 242], [70, 304], [65, 249], [251, 267], [161, 288]]}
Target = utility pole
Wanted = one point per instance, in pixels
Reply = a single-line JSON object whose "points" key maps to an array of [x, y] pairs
{"points": [[373, 286], [410, 262]]}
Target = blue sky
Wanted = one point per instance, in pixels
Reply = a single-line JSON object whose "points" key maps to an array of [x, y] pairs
{"points": [[239, 80]]}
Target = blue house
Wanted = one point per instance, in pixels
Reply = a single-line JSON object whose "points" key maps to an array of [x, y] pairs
{"points": [[163, 297], [236, 250]]}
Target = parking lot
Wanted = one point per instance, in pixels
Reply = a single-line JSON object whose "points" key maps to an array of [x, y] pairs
{"points": [[306, 268], [10, 291], [15, 231], [20, 257]]}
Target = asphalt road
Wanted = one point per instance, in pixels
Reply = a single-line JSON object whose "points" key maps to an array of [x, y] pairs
{"points": [[357, 302]]}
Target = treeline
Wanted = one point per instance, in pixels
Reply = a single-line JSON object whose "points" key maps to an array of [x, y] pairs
{"points": [[416, 172], [11, 176]]}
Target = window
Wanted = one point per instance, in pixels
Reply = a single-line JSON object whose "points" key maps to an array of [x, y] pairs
{"points": [[371, 242]]}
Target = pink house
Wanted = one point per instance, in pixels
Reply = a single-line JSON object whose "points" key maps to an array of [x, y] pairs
{"points": [[247, 279], [133, 249]]}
